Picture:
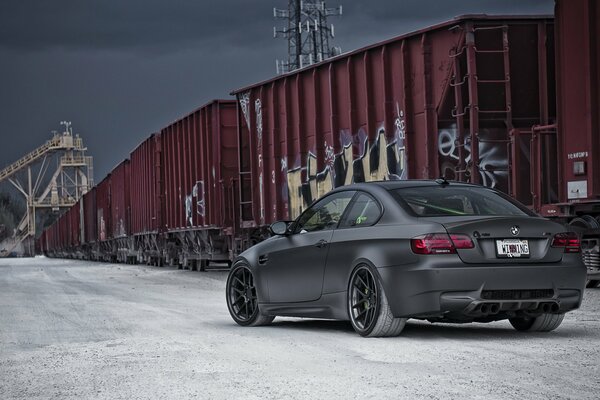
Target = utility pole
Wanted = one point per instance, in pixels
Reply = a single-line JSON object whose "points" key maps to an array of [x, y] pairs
{"points": [[307, 33]]}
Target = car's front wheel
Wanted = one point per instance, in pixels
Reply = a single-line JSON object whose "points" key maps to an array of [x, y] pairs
{"points": [[242, 299], [542, 323], [368, 307]]}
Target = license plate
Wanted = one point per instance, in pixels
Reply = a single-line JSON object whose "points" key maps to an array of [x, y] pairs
{"points": [[512, 248]]}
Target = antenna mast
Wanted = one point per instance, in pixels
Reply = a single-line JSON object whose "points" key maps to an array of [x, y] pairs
{"points": [[307, 33]]}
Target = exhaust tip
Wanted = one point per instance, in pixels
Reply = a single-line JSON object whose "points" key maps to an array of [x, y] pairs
{"points": [[494, 308], [545, 307], [485, 308], [554, 307]]}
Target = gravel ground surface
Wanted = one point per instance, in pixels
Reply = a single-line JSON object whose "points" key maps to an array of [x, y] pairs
{"points": [[82, 330]]}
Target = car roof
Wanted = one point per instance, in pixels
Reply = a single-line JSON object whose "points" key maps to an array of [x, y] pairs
{"points": [[398, 184]]}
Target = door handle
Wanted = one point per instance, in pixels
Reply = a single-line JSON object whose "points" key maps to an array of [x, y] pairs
{"points": [[263, 259], [321, 243]]}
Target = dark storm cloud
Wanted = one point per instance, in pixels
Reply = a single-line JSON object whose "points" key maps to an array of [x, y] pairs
{"points": [[161, 24], [427, 9], [122, 69], [143, 24]]}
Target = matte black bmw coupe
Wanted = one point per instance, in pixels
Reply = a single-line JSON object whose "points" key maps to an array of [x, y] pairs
{"points": [[382, 252]]}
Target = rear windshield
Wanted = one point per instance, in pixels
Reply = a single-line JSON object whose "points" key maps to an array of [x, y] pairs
{"points": [[448, 200]]}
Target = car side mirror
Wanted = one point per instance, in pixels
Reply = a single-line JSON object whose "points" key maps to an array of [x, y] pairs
{"points": [[279, 228]]}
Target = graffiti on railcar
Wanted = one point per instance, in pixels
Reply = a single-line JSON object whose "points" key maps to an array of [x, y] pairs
{"points": [[259, 124], [493, 157], [360, 160], [364, 156], [195, 200], [259, 136], [244, 99], [121, 231], [101, 224]]}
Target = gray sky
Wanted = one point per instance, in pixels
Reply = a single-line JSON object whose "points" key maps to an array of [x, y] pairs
{"points": [[122, 69]]}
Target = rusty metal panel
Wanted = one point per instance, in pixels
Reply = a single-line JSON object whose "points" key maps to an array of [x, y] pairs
{"points": [[63, 232], [578, 77], [200, 161], [437, 101], [120, 199], [73, 226], [170, 158], [45, 239], [146, 199], [103, 210], [89, 216], [52, 236]]}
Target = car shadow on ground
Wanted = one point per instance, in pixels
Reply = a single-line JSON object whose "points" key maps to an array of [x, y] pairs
{"points": [[423, 330]]}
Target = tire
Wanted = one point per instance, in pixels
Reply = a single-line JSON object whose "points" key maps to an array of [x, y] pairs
{"points": [[368, 307], [542, 323], [242, 299], [592, 283], [585, 222]]}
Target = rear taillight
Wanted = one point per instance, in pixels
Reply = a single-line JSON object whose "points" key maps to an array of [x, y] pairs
{"points": [[440, 243], [569, 240], [461, 241]]}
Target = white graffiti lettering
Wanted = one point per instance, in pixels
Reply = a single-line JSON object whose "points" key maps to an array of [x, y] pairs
{"points": [[244, 100]]}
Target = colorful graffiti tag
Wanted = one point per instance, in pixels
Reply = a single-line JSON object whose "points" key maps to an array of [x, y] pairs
{"points": [[360, 160], [198, 195], [493, 158]]}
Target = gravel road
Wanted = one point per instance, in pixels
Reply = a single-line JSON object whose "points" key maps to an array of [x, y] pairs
{"points": [[82, 330]]}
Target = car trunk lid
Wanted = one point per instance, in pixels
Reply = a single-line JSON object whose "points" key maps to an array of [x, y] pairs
{"points": [[505, 240]]}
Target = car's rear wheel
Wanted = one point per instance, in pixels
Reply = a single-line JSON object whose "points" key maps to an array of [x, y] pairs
{"points": [[368, 308], [592, 283], [242, 299], [542, 323]]}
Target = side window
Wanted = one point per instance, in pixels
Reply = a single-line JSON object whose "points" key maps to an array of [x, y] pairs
{"points": [[325, 214], [365, 211]]}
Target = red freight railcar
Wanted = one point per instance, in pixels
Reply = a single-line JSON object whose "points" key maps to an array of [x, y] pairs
{"points": [[73, 233], [119, 200], [52, 238], [55, 236], [578, 81], [146, 199], [43, 242], [63, 234], [90, 220], [440, 101], [50, 235], [578, 126], [120, 193], [200, 165], [103, 248]]}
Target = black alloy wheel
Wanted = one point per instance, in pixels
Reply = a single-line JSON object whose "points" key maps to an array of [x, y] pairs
{"points": [[368, 307], [242, 298], [364, 300]]}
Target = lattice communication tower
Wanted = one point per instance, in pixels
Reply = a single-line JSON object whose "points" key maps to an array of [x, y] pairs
{"points": [[307, 33]]}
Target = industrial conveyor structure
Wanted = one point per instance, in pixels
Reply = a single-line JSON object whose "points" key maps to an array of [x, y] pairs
{"points": [[72, 178]]}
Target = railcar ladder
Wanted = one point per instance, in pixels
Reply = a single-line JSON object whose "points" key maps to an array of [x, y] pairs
{"points": [[469, 167]]}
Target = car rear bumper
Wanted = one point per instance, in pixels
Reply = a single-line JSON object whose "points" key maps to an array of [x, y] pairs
{"points": [[444, 286]]}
